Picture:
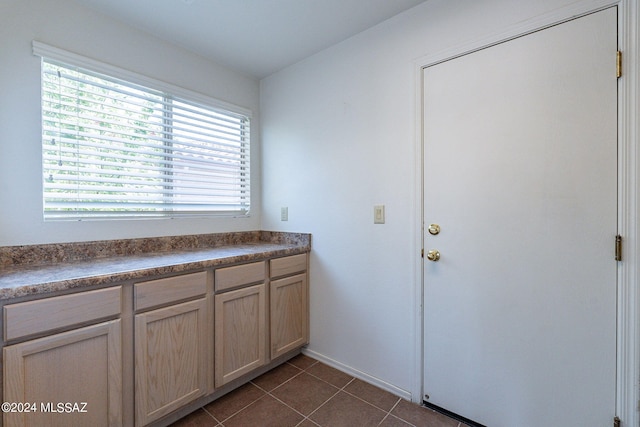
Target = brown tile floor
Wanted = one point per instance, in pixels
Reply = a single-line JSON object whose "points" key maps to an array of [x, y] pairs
{"points": [[307, 393]]}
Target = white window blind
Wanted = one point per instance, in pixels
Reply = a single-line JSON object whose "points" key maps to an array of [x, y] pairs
{"points": [[112, 148]]}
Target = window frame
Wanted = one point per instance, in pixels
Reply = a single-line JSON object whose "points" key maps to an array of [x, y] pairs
{"points": [[55, 55]]}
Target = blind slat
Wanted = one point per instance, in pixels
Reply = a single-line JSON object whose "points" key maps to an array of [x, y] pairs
{"points": [[168, 105], [65, 159], [151, 112], [127, 134]]}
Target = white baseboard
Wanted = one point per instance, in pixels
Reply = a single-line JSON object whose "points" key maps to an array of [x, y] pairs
{"points": [[404, 394]]}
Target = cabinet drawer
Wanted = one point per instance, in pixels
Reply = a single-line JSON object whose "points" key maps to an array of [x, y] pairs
{"points": [[164, 291], [288, 265], [246, 274], [33, 317]]}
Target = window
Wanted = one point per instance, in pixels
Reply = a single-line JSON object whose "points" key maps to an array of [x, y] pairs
{"points": [[112, 148]]}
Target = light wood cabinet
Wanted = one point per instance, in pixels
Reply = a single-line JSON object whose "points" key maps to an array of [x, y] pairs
{"points": [[286, 266], [289, 314], [288, 304], [239, 276], [138, 352], [171, 350], [72, 378], [44, 315], [240, 332]]}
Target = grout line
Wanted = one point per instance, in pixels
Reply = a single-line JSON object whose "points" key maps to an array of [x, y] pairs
{"points": [[396, 404], [343, 389], [370, 403], [388, 414], [279, 385], [333, 385], [323, 403], [287, 405], [211, 415], [305, 417], [313, 364], [239, 410], [395, 416], [347, 384], [305, 371], [310, 420]]}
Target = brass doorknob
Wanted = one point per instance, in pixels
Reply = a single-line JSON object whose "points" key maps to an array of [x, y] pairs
{"points": [[433, 255]]}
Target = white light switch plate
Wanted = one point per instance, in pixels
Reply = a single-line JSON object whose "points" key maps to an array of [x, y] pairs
{"points": [[378, 214], [284, 214]]}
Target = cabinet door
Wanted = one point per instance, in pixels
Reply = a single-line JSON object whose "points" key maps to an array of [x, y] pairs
{"points": [[73, 378], [170, 358], [289, 314], [240, 332]]}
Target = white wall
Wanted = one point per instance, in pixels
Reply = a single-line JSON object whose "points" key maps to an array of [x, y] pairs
{"points": [[340, 135], [67, 25]]}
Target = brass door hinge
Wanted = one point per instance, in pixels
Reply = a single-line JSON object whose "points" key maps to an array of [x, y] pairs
{"points": [[618, 64], [616, 422], [618, 256]]}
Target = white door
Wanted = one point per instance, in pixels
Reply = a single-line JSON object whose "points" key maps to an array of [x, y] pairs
{"points": [[520, 171]]}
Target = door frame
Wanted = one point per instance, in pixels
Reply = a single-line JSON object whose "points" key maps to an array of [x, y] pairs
{"points": [[628, 271]]}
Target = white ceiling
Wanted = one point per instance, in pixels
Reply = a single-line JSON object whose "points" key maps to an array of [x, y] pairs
{"points": [[254, 37]]}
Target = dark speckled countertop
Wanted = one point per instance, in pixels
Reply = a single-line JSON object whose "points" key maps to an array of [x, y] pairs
{"points": [[43, 269]]}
